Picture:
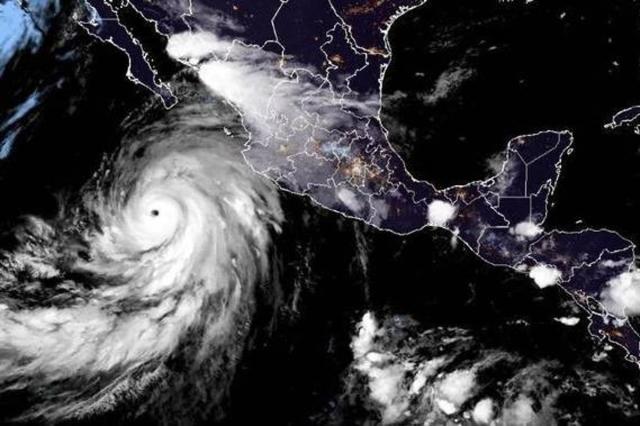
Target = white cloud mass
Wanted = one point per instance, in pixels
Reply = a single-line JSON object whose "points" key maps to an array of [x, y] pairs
{"points": [[527, 229], [545, 275], [621, 297], [440, 212]]}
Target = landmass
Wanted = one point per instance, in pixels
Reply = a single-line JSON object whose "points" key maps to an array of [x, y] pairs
{"points": [[626, 117], [104, 23], [306, 78]]}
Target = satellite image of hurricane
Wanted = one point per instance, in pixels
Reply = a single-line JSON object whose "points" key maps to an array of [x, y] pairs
{"points": [[319, 212]]}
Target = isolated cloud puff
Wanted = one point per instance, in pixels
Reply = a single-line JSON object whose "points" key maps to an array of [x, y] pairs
{"points": [[440, 212], [545, 275]]}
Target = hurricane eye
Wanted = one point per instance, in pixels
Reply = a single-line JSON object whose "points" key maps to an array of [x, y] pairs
{"points": [[155, 212]]}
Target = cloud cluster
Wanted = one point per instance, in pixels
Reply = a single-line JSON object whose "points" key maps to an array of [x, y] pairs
{"points": [[405, 374], [545, 275], [621, 296], [526, 230], [440, 212]]}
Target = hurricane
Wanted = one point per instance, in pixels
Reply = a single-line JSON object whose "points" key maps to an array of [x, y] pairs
{"points": [[153, 268]]}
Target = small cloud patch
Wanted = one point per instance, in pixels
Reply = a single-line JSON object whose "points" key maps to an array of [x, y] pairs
{"points": [[545, 275], [526, 229], [440, 212]]}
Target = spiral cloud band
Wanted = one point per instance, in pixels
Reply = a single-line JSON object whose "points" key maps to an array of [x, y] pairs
{"points": [[161, 255]]}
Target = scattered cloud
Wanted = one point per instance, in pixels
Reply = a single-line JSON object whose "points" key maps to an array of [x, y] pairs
{"points": [[447, 83], [403, 374]]}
